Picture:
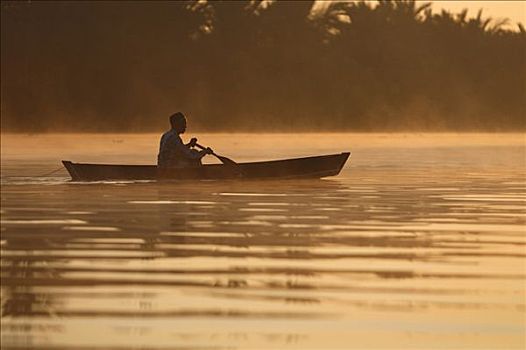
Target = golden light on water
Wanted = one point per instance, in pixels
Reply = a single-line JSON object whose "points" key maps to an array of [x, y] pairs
{"points": [[420, 239]]}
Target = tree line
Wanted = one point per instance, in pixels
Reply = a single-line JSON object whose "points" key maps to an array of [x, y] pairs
{"points": [[259, 66]]}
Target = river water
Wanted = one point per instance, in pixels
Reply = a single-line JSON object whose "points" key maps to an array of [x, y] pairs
{"points": [[418, 243]]}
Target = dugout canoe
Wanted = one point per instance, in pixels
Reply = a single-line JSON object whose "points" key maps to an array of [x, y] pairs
{"points": [[308, 167]]}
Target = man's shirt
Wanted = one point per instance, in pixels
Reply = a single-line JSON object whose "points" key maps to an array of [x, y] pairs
{"points": [[174, 153]]}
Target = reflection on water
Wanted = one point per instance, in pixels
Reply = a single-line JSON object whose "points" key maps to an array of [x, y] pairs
{"points": [[396, 252]]}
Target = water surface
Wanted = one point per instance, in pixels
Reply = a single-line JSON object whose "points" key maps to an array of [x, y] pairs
{"points": [[418, 243]]}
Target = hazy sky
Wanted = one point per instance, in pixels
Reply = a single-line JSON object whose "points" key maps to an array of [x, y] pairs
{"points": [[514, 10]]}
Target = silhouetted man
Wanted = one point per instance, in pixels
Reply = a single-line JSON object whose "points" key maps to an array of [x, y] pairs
{"points": [[173, 152]]}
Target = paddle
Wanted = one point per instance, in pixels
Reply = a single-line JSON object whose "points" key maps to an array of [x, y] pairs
{"points": [[224, 160]]}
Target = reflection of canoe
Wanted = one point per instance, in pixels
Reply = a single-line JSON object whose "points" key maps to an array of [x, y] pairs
{"points": [[309, 167]]}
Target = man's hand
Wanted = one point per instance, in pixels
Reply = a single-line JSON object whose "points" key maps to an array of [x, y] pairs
{"points": [[209, 150], [192, 142]]}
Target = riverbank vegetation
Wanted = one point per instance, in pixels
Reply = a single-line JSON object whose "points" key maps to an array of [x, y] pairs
{"points": [[259, 66]]}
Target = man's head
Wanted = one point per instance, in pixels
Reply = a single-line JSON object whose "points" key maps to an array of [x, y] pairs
{"points": [[178, 122]]}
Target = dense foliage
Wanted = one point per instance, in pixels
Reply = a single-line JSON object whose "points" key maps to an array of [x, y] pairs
{"points": [[259, 65]]}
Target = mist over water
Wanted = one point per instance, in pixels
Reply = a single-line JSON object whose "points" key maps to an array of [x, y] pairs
{"points": [[418, 243]]}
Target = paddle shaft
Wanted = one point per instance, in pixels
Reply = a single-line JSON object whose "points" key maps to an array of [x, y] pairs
{"points": [[203, 147], [223, 160]]}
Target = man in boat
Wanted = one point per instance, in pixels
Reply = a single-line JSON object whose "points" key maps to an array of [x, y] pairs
{"points": [[173, 152]]}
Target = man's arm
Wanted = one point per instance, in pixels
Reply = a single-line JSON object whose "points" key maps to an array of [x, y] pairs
{"points": [[186, 151]]}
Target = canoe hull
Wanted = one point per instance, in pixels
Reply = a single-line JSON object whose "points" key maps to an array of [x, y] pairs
{"points": [[309, 167]]}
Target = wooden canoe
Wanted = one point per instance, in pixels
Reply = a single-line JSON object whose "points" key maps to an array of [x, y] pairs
{"points": [[309, 167]]}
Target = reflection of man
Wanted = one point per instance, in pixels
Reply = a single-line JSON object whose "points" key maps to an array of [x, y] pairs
{"points": [[173, 152]]}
